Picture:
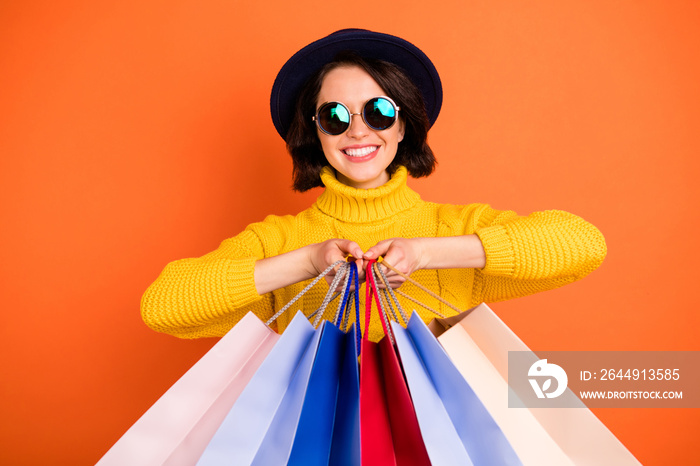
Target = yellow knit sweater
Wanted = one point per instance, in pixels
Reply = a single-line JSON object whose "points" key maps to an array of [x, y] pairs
{"points": [[206, 296]]}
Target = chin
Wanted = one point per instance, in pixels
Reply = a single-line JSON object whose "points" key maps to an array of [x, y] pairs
{"points": [[366, 179]]}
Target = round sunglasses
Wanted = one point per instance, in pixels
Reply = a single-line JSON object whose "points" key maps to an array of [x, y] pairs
{"points": [[378, 113]]}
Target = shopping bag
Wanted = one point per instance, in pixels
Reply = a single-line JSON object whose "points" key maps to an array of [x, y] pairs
{"points": [[259, 429], [177, 428], [279, 381], [328, 431], [333, 388], [390, 434], [478, 342], [345, 444], [456, 426]]}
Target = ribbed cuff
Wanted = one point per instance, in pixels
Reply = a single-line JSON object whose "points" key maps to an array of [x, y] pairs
{"points": [[500, 259], [241, 279]]}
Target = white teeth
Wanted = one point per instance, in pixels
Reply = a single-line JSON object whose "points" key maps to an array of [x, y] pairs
{"points": [[361, 152]]}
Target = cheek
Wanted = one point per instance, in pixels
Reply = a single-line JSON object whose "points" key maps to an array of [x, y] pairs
{"points": [[327, 146]]}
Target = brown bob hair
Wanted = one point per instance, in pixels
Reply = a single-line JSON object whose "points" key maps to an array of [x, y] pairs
{"points": [[302, 139]]}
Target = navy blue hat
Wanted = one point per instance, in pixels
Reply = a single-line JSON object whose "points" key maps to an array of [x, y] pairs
{"points": [[307, 61]]}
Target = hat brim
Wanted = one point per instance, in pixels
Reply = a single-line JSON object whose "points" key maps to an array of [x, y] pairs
{"points": [[307, 61]]}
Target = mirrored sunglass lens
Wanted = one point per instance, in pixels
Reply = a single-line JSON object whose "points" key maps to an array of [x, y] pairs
{"points": [[334, 118], [380, 113]]}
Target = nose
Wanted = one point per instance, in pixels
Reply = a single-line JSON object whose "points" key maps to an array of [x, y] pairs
{"points": [[358, 128]]}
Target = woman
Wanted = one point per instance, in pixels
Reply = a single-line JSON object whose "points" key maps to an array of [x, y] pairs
{"points": [[354, 108]]}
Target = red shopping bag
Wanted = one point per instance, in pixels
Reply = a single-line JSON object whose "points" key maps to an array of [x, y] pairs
{"points": [[389, 429]]}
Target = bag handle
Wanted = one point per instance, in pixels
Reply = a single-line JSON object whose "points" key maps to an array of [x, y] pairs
{"points": [[382, 304], [354, 295], [331, 294], [383, 298], [371, 290], [390, 291], [409, 279], [302, 292], [345, 293], [421, 304], [396, 301]]}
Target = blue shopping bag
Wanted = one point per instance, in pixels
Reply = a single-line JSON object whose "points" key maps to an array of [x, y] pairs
{"points": [[329, 427], [457, 429], [277, 444], [345, 446], [328, 430]]}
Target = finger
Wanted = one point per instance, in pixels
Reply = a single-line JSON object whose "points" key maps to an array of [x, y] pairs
{"points": [[394, 279], [378, 249], [400, 262], [361, 275], [395, 282], [396, 256], [381, 279], [329, 280], [350, 247], [389, 273]]}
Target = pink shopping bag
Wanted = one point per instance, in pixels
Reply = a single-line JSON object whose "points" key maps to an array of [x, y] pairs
{"points": [[260, 426], [478, 342], [177, 428]]}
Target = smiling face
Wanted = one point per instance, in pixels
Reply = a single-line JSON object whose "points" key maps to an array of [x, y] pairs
{"points": [[360, 155]]}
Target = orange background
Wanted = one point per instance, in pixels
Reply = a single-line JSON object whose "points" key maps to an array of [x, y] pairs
{"points": [[135, 134]]}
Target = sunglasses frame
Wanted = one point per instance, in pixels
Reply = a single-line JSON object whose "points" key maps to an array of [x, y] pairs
{"points": [[362, 113]]}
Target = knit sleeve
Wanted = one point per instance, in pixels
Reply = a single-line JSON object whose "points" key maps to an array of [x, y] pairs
{"points": [[525, 255], [206, 296]]}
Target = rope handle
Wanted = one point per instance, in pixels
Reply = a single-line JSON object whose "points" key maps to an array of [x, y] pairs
{"points": [[330, 294], [343, 304], [384, 296], [388, 290], [371, 290], [396, 300], [423, 305], [381, 304], [352, 295], [373, 274], [356, 295], [302, 292], [409, 279]]}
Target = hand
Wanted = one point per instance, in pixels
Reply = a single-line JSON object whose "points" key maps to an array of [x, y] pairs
{"points": [[405, 255], [322, 255], [273, 273]]}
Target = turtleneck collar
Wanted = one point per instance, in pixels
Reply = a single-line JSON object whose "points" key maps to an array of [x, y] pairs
{"points": [[349, 204]]}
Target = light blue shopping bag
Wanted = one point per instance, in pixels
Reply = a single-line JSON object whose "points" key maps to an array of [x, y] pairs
{"points": [[457, 429]]}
